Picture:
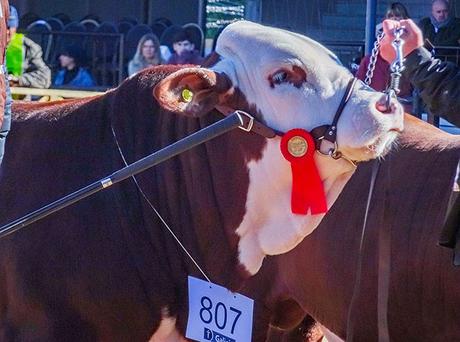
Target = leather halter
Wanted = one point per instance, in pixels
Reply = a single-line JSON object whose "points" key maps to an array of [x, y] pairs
{"points": [[320, 133], [329, 132]]}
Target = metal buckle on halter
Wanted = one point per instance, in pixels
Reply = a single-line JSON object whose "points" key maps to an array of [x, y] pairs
{"points": [[250, 123], [333, 152]]}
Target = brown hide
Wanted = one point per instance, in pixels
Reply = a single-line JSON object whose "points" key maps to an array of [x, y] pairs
{"points": [[410, 200], [105, 268]]}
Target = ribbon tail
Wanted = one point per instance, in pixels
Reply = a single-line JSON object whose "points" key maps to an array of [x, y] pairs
{"points": [[314, 189], [299, 196]]}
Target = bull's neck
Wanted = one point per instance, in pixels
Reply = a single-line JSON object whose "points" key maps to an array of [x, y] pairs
{"points": [[201, 194], [269, 227], [229, 200]]}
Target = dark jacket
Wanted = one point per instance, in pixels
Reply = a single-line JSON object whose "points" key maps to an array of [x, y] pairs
{"points": [[438, 83], [192, 57], [82, 79], [447, 35]]}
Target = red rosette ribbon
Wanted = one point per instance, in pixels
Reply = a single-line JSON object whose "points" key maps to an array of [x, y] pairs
{"points": [[298, 147]]}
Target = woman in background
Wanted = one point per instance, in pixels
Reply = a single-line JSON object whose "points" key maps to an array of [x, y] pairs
{"points": [[148, 54], [395, 11]]}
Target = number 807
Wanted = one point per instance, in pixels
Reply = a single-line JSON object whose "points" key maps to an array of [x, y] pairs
{"points": [[219, 314]]}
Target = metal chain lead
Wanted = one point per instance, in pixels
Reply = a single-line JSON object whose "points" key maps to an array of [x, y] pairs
{"points": [[398, 64], [396, 67], [373, 59]]}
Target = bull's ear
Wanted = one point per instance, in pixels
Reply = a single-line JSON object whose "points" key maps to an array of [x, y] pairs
{"points": [[192, 91]]}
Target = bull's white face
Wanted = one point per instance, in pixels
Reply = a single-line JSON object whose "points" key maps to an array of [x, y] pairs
{"points": [[293, 82], [297, 83]]}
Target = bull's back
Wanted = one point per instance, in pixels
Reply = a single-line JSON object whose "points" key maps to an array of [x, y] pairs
{"points": [[53, 148]]}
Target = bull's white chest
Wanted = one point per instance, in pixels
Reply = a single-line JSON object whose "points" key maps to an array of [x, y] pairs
{"points": [[268, 226]]}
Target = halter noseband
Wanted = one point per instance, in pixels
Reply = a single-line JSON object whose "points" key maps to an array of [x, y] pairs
{"points": [[320, 133]]}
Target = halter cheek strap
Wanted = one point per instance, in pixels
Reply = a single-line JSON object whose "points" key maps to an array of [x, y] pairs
{"points": [[255, 125], [329, 132]]}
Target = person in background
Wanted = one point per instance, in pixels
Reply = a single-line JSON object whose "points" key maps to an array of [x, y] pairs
{"points": [[72, 74], [24, 61], [381, 77], [184, 50], [395, 11], [440, 28], [148, 54], [5, 95]]}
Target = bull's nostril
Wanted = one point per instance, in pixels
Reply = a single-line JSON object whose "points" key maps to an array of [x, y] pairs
{"points": [[381, 107]]}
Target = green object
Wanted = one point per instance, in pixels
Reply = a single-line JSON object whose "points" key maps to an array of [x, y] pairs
{"points": [[187, 95], [220, 13], [15, 55]]}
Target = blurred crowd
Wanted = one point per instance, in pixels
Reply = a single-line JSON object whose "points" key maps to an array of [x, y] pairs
{"points": [[57, 52], [441, 32]]}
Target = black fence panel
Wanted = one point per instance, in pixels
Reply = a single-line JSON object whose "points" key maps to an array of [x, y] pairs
{"points": [[103, 51]]}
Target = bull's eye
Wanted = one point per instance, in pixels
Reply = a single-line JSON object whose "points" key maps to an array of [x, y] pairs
{"points": [[279, 77], [296, 77]]}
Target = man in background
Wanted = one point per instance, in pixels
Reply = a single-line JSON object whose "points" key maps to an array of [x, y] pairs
{"points": [[24, 60], [440, 29], [184, 50]]}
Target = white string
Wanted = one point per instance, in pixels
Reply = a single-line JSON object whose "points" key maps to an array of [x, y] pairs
{"points": [[357, 285], [158, 214]]}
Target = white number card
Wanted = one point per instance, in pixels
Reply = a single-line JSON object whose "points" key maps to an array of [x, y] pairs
{"points": [[216, 314]]}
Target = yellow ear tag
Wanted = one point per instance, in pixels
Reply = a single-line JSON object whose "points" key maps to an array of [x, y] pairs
{"points": [[187, 95]]}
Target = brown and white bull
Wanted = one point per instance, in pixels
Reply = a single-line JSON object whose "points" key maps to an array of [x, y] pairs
{"points": [[106, 268]]}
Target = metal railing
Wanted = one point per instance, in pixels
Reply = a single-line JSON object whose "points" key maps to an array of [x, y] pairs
{"points": [[54, 93], [346, 51]]}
